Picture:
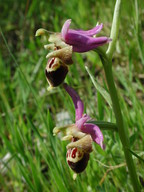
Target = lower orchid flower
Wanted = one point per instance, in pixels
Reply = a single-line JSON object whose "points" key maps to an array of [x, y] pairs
{"points": [[81, 134]]}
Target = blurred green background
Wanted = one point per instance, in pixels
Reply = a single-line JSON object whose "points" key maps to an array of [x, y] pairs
{"points": [[31, 159]]}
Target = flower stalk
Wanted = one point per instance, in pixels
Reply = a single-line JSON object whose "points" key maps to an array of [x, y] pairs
{"points": [[107, 63], [120, 125]]}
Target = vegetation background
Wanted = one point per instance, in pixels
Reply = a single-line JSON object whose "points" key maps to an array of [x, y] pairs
{"points": [[31, 159]]}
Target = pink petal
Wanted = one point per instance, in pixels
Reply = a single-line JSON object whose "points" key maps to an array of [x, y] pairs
{"points": [[90, 32], [83, 43], [82, 49], [79, 107], [81, 121], [65, 28], [95, 133]]}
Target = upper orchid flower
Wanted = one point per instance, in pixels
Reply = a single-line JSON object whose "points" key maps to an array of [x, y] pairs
{"points": [[81, 134], [73, 40], [62, 46], [83, 41]]}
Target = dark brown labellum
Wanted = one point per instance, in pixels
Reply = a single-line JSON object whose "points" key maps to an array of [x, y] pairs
{"points": [[77, 159], [56, 72]]}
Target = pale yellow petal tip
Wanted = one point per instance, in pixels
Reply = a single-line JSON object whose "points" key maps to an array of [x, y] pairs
{"points": [[50, 88], [67, 137], [97, 23], [74, 176], [56, 131], [49, 46], [40, 32], [48, 55]]}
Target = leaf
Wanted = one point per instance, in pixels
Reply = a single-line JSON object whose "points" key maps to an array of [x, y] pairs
{"points": [[98, 87], [141, 159], [100, 106], [133, 138], [105, 125]]}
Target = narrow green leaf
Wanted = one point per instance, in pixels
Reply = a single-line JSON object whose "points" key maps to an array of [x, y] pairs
{"points": [[98, 87], [35, 129], [100, 106], [141, 159], [105, 125]]}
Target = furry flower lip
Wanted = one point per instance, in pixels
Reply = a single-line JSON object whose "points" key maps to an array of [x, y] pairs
{"points": [[81, 135], [55, 71]]}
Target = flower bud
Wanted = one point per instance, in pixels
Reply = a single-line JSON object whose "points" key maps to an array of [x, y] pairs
{"points": [[55, 71]]}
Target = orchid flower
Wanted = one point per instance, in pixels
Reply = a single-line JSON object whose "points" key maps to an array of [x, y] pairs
{"points": [[70, 40], [81, 134], [81, 119], [64, 44]]}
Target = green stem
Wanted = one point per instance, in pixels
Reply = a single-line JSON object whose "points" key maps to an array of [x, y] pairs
{"points": [[107, 63], [120, 124]]}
